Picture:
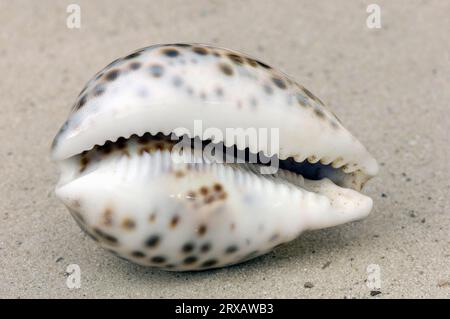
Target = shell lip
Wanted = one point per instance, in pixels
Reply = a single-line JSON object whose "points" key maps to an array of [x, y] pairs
{"points": [[131, 161], [306, 169], [68, 143]]}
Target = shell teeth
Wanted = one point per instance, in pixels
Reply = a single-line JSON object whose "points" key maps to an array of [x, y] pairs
{"points": [[299, 158], [325, 160], [350, 168], [313, 159], [282, 157], [346, 168], [144, 148], [338, 162], [240, 144]]}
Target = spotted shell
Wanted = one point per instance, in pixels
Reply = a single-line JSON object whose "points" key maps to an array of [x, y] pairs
{"points": [[124, 188]]}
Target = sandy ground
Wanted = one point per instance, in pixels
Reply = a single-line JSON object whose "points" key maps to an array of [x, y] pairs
{"points": [[390, 86]]}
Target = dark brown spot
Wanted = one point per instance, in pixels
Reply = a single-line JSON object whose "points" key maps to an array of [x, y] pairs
{"points": [[158, 259], [218, 187], [226, 69], [232, 226], [204, 190], [200, 50], [190, 260], [152, 218], [128, 224], [279, 82], [135, 65], [205, 247], [174, 221], [202, 230], [188, 247], [172, 53], [180, 174], [156, 70], [231, 249], [319, 113], [209, 263], [138, 254], [112, 75], [152, 241], [235, 58]]}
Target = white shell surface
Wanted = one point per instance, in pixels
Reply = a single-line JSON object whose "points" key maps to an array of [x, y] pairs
{"points": [[139, 203]]}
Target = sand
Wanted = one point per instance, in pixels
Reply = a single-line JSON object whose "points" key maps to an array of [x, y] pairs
{"points": [[390, 87]]}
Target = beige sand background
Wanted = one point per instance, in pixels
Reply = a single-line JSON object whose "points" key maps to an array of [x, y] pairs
{"points": [[390, 87]]}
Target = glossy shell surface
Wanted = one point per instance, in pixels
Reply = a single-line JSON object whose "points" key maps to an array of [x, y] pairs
{"points": [[123, 186]]}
